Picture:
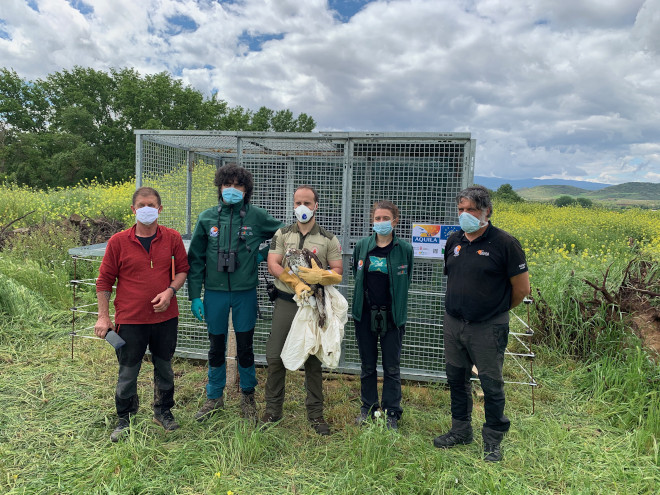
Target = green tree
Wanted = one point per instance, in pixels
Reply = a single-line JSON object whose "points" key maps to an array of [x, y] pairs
{"points": [[78, 124], [584, 202], [506, 193], [23, 105], [565, 201]]}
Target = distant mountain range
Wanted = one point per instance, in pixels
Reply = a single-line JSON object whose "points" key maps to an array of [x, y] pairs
{"points": [[495, 182], [642, 194]]}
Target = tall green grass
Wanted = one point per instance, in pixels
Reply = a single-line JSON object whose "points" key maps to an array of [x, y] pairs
{"points": [[56, 415]]}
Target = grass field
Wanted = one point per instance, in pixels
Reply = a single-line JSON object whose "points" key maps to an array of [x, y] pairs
{"points": [[595, 429]]}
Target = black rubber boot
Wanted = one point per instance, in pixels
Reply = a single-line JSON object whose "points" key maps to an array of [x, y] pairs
{"points": [[459, 434], [492, 440]]}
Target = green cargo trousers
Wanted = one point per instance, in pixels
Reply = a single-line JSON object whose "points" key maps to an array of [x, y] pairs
{"points": [[283, 314]]}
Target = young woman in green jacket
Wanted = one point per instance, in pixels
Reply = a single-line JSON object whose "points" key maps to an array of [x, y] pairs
{"points": [[382, 265]]}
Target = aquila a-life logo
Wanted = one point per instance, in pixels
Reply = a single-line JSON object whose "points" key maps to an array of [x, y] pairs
{"points": [[429, 240]]}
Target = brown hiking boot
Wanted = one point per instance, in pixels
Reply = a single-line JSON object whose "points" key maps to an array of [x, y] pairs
{"points": [[249, 407], [320, 426], [210, 407]]}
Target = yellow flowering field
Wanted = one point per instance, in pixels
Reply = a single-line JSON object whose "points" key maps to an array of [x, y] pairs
{"points": [[89, 199], [585, 237]]}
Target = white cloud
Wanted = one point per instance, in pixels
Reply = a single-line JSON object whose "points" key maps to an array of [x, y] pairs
{"points": [[566, 89]]}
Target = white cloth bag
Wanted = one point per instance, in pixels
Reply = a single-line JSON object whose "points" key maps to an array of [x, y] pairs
{"points": [[306, 338]]}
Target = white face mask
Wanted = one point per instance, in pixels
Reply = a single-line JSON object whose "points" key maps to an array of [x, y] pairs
{"points": [[146, 215], [303, 214]]}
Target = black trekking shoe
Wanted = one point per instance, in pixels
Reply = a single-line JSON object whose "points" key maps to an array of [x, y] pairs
{"points": [[492, 453], [320, 426], [363, 418], [492, 440], [122, 430], [166, 420], [453, 438], [269, 419], [392, 423]]}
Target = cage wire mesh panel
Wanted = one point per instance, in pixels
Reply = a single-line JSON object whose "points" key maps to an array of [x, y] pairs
{"points": [[420, 173]]}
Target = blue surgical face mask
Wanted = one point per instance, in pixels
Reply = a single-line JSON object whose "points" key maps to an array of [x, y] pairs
{"points": [[383, 228], [469, 223], [231, 195]]}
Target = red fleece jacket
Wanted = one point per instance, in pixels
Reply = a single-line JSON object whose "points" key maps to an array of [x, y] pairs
{"points": [[140, 275]]}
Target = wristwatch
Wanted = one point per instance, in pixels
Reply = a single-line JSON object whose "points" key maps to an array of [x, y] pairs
{"points": [[173, 289]]}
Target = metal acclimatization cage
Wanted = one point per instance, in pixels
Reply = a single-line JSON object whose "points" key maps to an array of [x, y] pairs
{"points": [[420, 172]]}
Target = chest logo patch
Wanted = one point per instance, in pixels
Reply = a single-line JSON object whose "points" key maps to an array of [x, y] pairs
{"points": [[457, 250], [214, 231], [481, 252], [245, 231], [377, 264]]}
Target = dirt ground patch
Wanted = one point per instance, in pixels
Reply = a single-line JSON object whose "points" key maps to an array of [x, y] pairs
{"points": [[647, 327]]}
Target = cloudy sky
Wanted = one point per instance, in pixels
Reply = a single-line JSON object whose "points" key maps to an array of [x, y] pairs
{"points": [[549, 88]]}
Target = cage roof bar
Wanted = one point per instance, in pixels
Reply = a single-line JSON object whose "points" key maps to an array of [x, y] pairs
{"points": [[307, 135]]}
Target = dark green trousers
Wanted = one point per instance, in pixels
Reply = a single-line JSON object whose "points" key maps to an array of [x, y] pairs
{"points": [[283, 314]]}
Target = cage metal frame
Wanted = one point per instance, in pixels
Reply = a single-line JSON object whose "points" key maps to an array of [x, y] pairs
{"points": [[350, 170]]}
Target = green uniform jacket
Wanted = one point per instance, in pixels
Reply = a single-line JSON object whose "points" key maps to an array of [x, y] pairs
{"points": [[229, 232], [400, 265]]}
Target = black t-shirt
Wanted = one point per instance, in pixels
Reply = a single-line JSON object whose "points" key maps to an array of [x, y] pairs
{"points": [[478, 273], [377, 276], [146, 241]]}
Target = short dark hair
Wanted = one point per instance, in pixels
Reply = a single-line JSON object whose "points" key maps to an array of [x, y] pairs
{"points": [[145, 191], [385, 205], [479, 195], [232, 173], [311, 188]]}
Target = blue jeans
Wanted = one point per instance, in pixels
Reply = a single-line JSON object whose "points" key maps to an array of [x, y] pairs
{"points": [[243, 306]]}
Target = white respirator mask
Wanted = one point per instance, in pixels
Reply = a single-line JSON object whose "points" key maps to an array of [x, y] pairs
{"points": [[303, 214]]}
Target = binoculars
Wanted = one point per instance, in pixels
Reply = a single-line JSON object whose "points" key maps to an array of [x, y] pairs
{"points": [[227, 261]]}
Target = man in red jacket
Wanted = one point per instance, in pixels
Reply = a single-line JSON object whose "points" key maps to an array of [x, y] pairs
{"points": [[149, 264]]}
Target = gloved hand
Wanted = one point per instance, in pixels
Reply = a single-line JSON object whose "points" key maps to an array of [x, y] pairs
{"points": [[301, 288], [317, 275], [197, 308]]}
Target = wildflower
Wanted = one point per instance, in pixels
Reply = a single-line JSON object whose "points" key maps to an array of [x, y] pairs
{"points": [[229, 492], [217, 475]]}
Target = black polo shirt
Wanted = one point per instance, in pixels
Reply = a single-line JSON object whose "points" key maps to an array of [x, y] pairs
{"points": [[478, 273]]}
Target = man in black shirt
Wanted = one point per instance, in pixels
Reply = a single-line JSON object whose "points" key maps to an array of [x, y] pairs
{"points": [[486, 277]]}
